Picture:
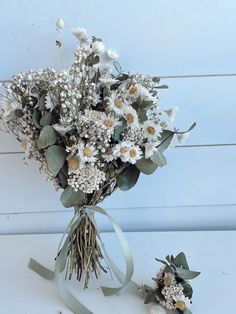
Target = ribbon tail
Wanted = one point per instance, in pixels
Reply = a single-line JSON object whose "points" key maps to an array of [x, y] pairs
{"points": [[40, 269]]}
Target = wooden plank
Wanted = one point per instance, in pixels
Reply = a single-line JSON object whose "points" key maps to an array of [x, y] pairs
{"points": [[189, 218], [212, 253], [193, 176]]}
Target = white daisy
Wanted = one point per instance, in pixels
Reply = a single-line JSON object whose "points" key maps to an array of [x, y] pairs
{"points": [[131, 117], [110, 122], [75, 164], [157, 309], [145, 94], [80, 33], [61, 129], [181, 302], [151, 130], [169, 279], [116, 104], [121, 150], [111, 55], [9, 107], [134, 91], [171, 113], [26, 145], [182, 137], [87, 152], [108, 155], [134, 154], [150, 148], [98, 47], [107, 81], [59, 24]]}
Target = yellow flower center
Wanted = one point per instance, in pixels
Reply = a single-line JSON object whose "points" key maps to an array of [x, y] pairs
{"points": [[118, 103], [167, 281], [124, 149], [108, 122], [23, 144], [88, 152], [133, 153], [73, 163], [180, 305], [133, 90], [26, 94], [129, 118], [150, 130]]}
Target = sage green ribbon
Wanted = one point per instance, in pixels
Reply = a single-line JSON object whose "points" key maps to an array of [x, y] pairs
{"points": [[68, 298]]}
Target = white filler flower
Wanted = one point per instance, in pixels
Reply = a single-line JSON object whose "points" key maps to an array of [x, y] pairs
{"points": [[59, 23]]}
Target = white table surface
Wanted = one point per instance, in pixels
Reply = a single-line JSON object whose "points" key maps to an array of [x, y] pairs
{"points": [[24, 292]]}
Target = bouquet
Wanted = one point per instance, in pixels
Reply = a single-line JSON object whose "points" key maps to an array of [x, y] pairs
{"points": [[173, 289], [93, 129]]}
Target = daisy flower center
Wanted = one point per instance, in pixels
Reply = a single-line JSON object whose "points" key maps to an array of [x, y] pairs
{"points": [[88, 152], [23, 144], [180, 305], [73, 163], [133, 153], [129, 118], [150, 130], [118, 103], [133, 90], [167, 281], [124, 149], [108, 122]]}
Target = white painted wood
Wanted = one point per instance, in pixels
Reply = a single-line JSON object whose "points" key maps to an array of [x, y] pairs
{"points": [[218, 217], [24, 292], [193, 176]]}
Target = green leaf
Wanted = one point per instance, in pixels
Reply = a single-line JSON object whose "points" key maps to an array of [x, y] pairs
{"points": [[158, 158], [146, 166], [156, 79], [41, 102], [187, 311], [188, 291], [63, 176], [142, 115], [36, 116], [162, 86], [70, 198], [181, 261], [186, 274], [55, 156], [165, 139], [46, 119], [162, 261], [47, 137], [128, 178], [150, 297], [117, 132]]}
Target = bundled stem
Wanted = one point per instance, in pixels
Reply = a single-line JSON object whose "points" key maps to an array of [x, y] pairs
{"points": [[84, 252]]}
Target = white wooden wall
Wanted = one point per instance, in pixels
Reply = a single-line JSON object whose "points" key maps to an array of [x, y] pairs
{"points": [[196, 190]]}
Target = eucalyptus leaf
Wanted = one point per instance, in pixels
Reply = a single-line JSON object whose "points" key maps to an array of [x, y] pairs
{"points": [[156, 79], [150, 297], [63, 176], [146, 166], [186, 274], [162, 86], [46, 119], [18, 113], [142, 115], [55, 156], [47, 137], [158, 158], [128, 178], [41, 103], [188, 291], [36, 116], [117, 132], [165, 139], [187, 311], [181, 261], [70, 198]]}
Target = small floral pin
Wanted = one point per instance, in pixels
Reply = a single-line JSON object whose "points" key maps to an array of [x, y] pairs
{"points": [[173, 290]]}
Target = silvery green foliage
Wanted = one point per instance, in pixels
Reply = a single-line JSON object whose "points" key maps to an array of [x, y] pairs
{"points": [[92, 128], [172, 290]]}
